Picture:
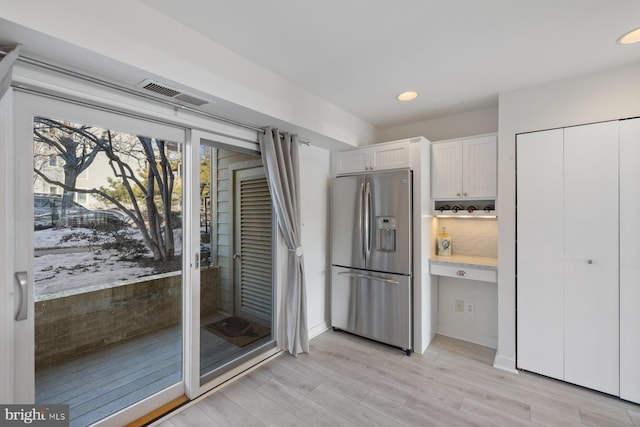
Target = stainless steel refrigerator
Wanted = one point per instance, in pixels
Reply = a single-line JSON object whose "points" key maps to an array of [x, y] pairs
{"points": [[371, 259]]}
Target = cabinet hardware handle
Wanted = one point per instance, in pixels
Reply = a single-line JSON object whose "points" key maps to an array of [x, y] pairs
{"points": [[465, 194], [461, 273], [589, 261], [458, 194]]}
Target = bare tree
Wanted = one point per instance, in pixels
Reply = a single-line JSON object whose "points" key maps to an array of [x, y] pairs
{"points": [[145, 197], [75, 145]]}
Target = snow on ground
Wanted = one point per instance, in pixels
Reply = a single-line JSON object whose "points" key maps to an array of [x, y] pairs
{"points": [[61, 265]]}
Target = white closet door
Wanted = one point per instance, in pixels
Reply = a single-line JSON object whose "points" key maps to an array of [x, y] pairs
{"points": [[540, 252], [591, 300], [630, 260]]}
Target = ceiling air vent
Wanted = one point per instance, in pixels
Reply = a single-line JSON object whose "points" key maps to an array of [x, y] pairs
{"points": [[170, 92]]}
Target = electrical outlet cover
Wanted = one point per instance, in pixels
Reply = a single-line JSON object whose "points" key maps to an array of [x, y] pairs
{"points": [[470, 307]]}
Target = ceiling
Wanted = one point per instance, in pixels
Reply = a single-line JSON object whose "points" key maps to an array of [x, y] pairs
{"points": [[457, 54]]}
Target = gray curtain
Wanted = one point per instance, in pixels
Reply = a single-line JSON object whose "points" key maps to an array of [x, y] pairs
{"points": [[282, 167], [6, 65]]}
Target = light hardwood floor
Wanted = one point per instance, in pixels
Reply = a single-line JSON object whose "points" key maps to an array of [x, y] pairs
{"points": [[347, 380], [101, 383]]}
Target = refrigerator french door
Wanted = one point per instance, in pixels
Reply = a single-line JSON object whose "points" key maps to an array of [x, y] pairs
{"points": [[371, 256]]}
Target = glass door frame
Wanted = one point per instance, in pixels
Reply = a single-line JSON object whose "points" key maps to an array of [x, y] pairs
{"points": [[195, 385], [26, 106]]}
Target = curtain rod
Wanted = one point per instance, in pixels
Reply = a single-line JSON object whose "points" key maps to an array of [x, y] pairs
{"points": [[110, 85]]}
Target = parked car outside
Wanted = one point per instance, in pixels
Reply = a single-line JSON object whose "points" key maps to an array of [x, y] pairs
{"points": [[47, 209]]}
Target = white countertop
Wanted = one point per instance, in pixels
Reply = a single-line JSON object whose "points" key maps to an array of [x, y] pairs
{"points": [[465, 260]]}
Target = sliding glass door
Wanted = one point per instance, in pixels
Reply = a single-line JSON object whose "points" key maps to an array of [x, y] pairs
{"points": [[144, 256], [237, 251], [99, 214]]}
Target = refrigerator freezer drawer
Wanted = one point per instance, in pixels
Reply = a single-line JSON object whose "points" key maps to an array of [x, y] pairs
{"points": [[372, 305]]}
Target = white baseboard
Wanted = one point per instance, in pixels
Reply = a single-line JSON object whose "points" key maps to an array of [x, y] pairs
{"points": [[505, 363], [466, 336], [318, 329]]}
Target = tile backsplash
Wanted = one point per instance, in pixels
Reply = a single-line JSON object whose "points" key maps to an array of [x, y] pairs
{"points": [[471, 236]]}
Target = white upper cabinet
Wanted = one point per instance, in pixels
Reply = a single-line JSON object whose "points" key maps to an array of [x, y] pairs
{"points": [[464, 168], [446, 170], [393, 155]]}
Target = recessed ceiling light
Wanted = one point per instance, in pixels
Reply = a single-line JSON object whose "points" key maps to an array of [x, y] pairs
{"points": [[630, 37], [407, 96]]}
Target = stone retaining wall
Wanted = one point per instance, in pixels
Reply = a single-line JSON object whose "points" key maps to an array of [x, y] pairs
{"points": [[70, 325]]}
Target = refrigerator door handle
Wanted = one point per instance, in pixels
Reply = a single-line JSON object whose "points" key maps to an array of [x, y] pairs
{"points": [[367, 220], [366, 276], [361, 221]]}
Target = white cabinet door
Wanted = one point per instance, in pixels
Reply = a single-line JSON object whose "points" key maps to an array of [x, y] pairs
{"points": [[446, 170], [465, 168], [630, 260], [351, 161], [540, 266], [390, 156], [479, 167], [591, 300], [374, 158]]}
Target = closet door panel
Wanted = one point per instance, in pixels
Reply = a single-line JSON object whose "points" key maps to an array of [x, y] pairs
{"points": [[540, 253], [630, 260], [591, 299]]}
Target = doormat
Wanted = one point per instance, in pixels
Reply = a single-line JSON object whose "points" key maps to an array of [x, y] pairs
{"points": [[238, 331]]}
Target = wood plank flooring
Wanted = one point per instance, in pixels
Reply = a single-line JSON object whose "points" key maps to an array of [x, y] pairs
{"points": [[347, 380], [99, 384]]}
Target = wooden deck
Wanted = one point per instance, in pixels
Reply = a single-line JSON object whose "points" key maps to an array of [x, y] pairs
{"points": [[347, 380], [101, 383]]}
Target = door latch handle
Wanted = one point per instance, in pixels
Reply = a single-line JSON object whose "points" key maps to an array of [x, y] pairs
{"points": [[22, 293]]}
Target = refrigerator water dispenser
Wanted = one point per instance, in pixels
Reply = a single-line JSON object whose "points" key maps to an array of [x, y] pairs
{"points": [[386, 233]]}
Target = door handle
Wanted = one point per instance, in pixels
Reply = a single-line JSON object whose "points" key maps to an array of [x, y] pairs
{"points": [[368, 277], [22, 293], [361, 220], [367, 220]]}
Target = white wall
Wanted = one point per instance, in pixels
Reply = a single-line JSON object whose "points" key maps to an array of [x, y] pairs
{"points": [[314, 192], [475, 122], [607, 95], [480, 327]]}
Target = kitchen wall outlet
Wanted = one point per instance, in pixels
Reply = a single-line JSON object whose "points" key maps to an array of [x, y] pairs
{"points": [[460, 306], [469, 307]]}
